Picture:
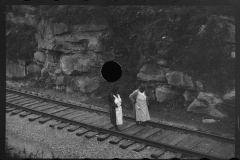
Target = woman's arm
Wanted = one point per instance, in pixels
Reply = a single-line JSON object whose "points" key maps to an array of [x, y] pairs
{"points": [[133, 96]]}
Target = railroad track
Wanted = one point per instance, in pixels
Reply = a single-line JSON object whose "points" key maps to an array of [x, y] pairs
{"points": [[91, 122]]}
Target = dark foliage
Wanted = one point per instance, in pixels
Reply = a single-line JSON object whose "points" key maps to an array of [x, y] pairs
{"points": [[21, 42], [191, 38]]}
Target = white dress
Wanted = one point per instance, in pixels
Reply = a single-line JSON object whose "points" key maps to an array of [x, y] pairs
{"points": [[119, 116], [142, 113]]}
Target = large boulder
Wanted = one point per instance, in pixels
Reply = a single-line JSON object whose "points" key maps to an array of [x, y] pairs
{"points": [[198, 106], [151, 72], [59, 80], [58, 71], [78, 62], [86, 84], [206, 103], [229, 95], [163, 93], [179, 79], [40, 56], [34, 69], [209, 98]]}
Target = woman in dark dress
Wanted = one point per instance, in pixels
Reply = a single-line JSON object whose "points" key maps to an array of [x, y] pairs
{"points": [[115, 109]]}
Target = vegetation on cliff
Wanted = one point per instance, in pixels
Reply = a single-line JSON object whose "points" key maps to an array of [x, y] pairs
{"points": [[191, 38]]}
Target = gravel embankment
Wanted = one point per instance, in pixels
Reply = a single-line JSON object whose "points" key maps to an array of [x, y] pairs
{"points": [[35, 137]]}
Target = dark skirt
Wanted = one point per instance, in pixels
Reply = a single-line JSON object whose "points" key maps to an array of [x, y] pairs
{"points": [[112, 115]]}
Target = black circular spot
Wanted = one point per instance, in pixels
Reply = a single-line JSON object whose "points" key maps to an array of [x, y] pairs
{"points": [[111, 71]]}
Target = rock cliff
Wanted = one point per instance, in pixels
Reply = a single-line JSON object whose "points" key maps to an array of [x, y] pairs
{"points": [[64, 50]]}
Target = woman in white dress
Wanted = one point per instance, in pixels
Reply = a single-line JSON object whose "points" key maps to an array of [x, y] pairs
{"points": [[115, 101], [140, 106]]}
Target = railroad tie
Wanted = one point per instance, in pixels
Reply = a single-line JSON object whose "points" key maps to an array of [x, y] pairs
{"points": [[44, 120], [18, 102], [222, 150], [101, 122], [157, 153], [61, 126], [24, 114], [97, 120], [103, 137], [28, 101], [13, 98], [162, 135], [140, 147], [16, 112], [178, 139], [82, 131], [126, 144], [43, 108], [91, 134], [54, 124], [205, 146], [189, 142], [74, 115], [134, 131], [10, 109], [64, 112], [144, 136], [170, 140], [149, 133], [32, 103], [116, 140], [9, 94], [8, 99], [130, 142], [107, 125], [169, 155], [74, 128], [34, 117]]}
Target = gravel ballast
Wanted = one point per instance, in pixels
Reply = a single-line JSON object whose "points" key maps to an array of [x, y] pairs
{"points": [[62, 144]]}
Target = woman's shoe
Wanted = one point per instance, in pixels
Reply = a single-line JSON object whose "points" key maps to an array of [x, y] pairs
{"points": [[138, 123], [117, 129]]}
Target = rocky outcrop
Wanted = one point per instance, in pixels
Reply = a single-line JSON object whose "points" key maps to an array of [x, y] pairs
{"points": [[86, 84], [210, 98], [40, 56], [151, 72], [34, 69], [70, 54], [163, 93], [179, 79], [78, 62], [206, 104], [229, 95], [70, 39]]}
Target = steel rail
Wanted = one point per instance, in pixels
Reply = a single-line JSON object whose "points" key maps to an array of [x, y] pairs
{"points": [[151, 123], [122, 135]]}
